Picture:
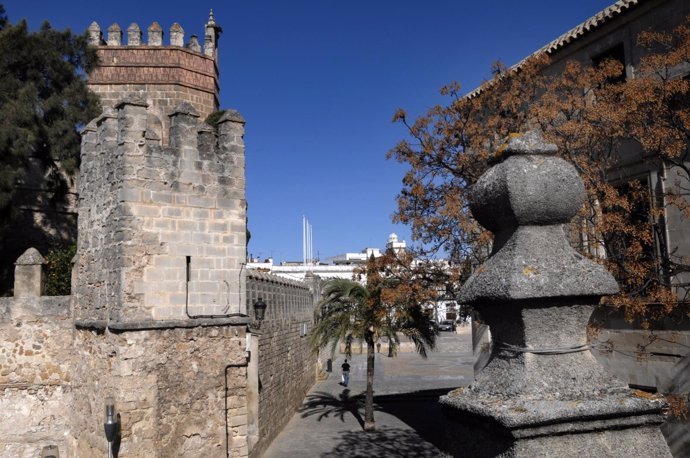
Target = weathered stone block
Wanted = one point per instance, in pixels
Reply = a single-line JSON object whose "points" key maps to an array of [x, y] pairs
{"points": [[29, 277]]}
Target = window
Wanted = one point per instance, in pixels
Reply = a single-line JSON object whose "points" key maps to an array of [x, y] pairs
{"points": [[615, 53], [631, 247]]}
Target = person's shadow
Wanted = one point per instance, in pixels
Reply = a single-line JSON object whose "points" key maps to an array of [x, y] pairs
{"points": [[326, 404]]}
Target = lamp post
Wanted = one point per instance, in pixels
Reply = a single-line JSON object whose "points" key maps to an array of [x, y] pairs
{"points": [[110, 426], [259, 311]]}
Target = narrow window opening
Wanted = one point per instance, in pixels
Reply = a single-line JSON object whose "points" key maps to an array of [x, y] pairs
{"points": [[189, 268], [617, 54]]}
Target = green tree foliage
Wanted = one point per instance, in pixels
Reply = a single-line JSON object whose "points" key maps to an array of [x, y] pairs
{"points": [[44, 100], [213, 118], [59, 270], [390, 302], [3, 17]]}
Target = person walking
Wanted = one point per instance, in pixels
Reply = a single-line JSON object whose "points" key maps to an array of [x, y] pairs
{"points": [[346, 373]]}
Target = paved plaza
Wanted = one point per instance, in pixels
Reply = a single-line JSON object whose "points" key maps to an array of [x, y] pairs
{"points": [[409, 421]]}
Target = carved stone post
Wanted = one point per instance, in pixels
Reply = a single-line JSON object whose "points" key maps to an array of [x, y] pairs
{"points": [[542, 392], [29, 278]]}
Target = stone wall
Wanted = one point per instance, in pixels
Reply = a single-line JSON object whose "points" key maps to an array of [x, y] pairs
{"points": [[182, 388], [179, 391], [35, 375], [287, 367]]}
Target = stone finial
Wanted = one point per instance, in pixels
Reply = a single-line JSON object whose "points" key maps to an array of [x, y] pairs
{"points": [[211, 36], [176, 35], [155, 34], [524, 200], [30, 257], [193, 44], [114, 35], [528, 143], [184, 108], [231, 116], [132, 99], [537, 294], [133, 35], [95, 37], [29, 279]]}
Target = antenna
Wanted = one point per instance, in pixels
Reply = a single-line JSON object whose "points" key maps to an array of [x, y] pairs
{"points": [[307, 256]]}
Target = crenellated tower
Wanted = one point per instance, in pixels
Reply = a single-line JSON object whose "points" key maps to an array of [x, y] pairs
{"points": [[164, 75], [159, 283], [162, 229]]}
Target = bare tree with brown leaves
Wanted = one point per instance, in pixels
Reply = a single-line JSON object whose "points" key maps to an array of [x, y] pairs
{"points": [[601, 123]]}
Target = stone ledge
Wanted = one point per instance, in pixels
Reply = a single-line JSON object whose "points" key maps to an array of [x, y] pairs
{"points": [[524, 417], [145, 325]]}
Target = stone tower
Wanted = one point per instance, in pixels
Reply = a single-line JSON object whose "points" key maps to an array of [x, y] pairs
{"points": [[162, 230], [159, 284], [163, 75]]}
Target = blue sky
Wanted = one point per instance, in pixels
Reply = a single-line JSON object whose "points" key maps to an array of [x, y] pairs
{"points": [[318, 82]]}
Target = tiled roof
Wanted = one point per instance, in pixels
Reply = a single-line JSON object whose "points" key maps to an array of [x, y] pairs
{"points": [[590, 24], [596, 21]]}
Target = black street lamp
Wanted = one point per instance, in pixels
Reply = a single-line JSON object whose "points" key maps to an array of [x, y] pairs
{"points": [[259, 311]]}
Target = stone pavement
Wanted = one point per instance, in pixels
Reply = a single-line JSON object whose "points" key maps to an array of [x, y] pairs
{"points": [[409, 422]]}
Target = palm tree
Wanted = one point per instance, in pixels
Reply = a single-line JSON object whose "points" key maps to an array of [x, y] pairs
{"points": [[350, 310]]}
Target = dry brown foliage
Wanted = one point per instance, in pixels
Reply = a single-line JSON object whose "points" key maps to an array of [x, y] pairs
{"points": [[678, 407], [596, 119], [399, 281]]}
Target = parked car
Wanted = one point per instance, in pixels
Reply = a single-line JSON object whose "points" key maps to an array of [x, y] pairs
{"points": [[446, 325]]}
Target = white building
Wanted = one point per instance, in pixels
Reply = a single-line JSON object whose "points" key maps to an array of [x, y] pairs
{"points": [[394, 244], [339, 266], [344, 265], [355, 258]]}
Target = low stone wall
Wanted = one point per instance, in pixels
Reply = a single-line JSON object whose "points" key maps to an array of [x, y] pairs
{"points": [[35, 375], [655, 357], [179, 391], [286, 367], [186, 388]]}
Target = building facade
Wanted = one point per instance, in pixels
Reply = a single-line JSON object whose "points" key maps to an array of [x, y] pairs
{"points": [[654, 356]]}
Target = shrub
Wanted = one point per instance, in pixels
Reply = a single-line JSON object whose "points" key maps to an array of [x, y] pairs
{"points": [[59, 270]]}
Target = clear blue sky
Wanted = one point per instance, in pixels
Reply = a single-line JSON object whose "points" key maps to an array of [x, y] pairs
{"points": [[318, 82]]}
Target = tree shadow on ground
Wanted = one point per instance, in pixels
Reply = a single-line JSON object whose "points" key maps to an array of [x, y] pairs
{"points": [[326, 404], [383, 443], [419, 410]]}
